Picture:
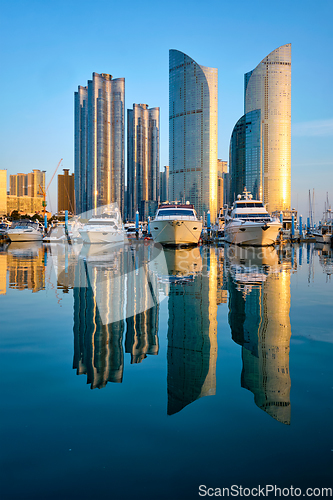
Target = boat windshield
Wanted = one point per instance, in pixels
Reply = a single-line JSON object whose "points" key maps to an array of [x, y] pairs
{"points": [[104, 222], [252, 216], [111, 215], [248, 204], [167, 212], [24, 223]]}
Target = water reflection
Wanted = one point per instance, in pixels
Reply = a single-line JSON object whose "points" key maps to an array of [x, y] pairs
{"points": [[110, 279], [192, 325], [98, 344], [142, 306], [3, 269], [325, 254], [116, 311], [25, 264], [259, 304]]}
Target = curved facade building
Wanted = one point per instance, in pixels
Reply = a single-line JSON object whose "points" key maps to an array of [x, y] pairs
{"points": [[100, 143], [266, 130], [192, 133]]}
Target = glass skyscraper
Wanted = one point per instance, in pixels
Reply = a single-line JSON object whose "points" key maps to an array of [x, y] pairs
{"points": [[100, 143], [192, 133], [260, 147], [143, 159]]}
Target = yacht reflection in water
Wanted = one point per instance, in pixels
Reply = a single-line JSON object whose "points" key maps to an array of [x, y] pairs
{"points": [[110, 279], [192, 343], [259, 304]]}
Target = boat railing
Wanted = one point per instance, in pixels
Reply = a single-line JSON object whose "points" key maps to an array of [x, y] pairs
{"points": [[176, 217]]}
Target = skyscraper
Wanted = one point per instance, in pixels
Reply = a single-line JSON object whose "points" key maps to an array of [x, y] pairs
{"points": [[222, 175], [66, 191], [260, 147], [192, 133], [3, 192], [25, 194], [36, 180], [143, 161], [164, 184], [100, 143]]}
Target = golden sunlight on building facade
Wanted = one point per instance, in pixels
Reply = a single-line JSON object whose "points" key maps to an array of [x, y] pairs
{"points": [[259, 305], [260, 145], [192, 327], [3, 192], [192, 133]]}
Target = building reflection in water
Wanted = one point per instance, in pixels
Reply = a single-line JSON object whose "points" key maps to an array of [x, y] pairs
{"points": [[98, 345], [3, 270], [109, 280], [192, 325], [25, 264], [142, 305], [259, 304]]}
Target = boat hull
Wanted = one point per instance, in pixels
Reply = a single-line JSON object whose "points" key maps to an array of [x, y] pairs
{"points": [[322, 238], [176, 232], [252, 234], [102, 236], [25, 235]]}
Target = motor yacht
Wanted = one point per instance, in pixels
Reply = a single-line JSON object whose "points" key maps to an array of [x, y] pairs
{"points": [[25, 230], [3, 230], [103, 228], [324, 233], [176, 224], [56, 234], [249, 223]]}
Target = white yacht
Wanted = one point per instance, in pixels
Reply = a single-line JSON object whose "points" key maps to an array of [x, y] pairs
{"points": [[3, 230], [249, 223], [56, 234], [25, 230], [176, 224], [103, 228], [324, 233]]}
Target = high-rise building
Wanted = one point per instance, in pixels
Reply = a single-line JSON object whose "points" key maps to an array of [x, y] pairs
{"points": [[3, 192], [18, 185], [222, 171], [143, 160], [164, 184], [260, 147], [66, 191], [100, 143], [25, 193], [35, 181], [193, 133], [27, 184]]}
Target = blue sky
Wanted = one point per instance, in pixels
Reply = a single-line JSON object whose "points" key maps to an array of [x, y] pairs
{"points": [[51, 47]]}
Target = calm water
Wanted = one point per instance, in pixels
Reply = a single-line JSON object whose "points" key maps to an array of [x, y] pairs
{"points": [[134, 373]]}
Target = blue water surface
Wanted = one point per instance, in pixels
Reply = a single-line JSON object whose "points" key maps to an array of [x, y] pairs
{"points": [[217, 371]]}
